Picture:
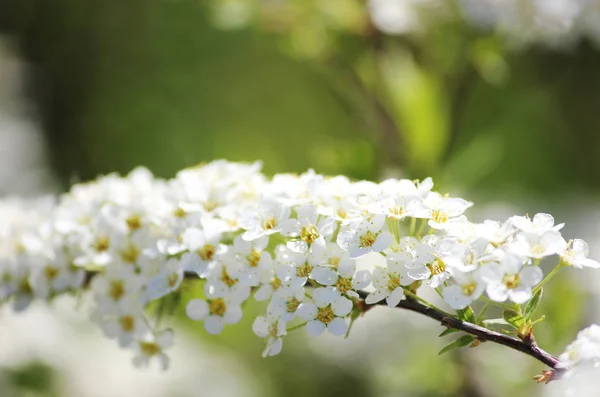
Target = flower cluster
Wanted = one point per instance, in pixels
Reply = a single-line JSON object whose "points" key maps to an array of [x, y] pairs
{"points": [[292, 241]]}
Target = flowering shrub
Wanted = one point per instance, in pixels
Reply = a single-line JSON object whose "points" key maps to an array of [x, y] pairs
{"points": [[292, 241]]}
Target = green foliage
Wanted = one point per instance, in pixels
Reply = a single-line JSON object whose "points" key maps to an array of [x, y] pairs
{"points": [[463, 341]]}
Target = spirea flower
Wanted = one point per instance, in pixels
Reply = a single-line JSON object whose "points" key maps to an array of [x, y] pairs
{"points": [[305, 245]]}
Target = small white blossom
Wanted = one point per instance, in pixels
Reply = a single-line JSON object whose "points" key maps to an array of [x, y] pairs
{"points": [[327, 312], [214, 312], [576, 255], [364, 236], [510, 279]]}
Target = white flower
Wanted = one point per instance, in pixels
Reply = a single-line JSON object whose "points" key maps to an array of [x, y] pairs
{"points": [[215, 313], [439, 209], [269, 218], [285, 303], [364, 236], [124, 321], [388, 284], [537, 246], [510, 279], [310, 232], [540, 223], [253, 259], [53, 273], [117, 283], [495, 232], [467, 288], [151, 346], [328, 311], [345, 279], [466, 257], [430, 266], [204, 245], [273, 328], [166, 281], [576, 255], [585, 348]]}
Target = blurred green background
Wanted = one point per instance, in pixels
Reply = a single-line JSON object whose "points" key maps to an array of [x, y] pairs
{"points": [[118, 84]]}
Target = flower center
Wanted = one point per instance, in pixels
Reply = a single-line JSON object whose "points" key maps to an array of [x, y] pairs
{"points": [[172, 279], [149, 348], [179, 213], [25, 287], [210, 205], [439, 216], [325, 314], [292, 305], [309, 234], [334, 261], [127, 323], [275, 283], [101, 244], [50, 272], [393, 282], [367, 239], [116, 290], [226, 278], [511, 281], [207, 252], [217, 307], [397, 211], [134, 222], [273, 330], [131, 253], [538, 249], [269, 223], [469, 289], [343, 285], [437, 267], [341, 213], [254, 258], [304, 270]]}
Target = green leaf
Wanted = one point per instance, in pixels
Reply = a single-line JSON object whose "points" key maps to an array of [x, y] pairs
{"points": [[532, 304], [463, 341], [513, 318], [467, 314], [449, 331]]}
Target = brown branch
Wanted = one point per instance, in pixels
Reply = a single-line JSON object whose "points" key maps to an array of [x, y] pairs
{"points": [[526, 345]]}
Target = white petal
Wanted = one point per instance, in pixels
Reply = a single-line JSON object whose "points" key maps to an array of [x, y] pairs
{"points": [[395, 297], [324, 296], [274, 346], [315, 328], [361, 280], [520, 295], [382, 242], [531, 275], [307, 311], [214, 325], [455, 298], [261, 327], [337, 327], [193, 238], [341, 306], [233, 315], [497, 292], [197, 309], [421, 273], [376, 296], [324, 275]]}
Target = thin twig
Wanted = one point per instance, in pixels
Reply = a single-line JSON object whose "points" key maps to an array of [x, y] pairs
{"points": [[527, 345]]}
